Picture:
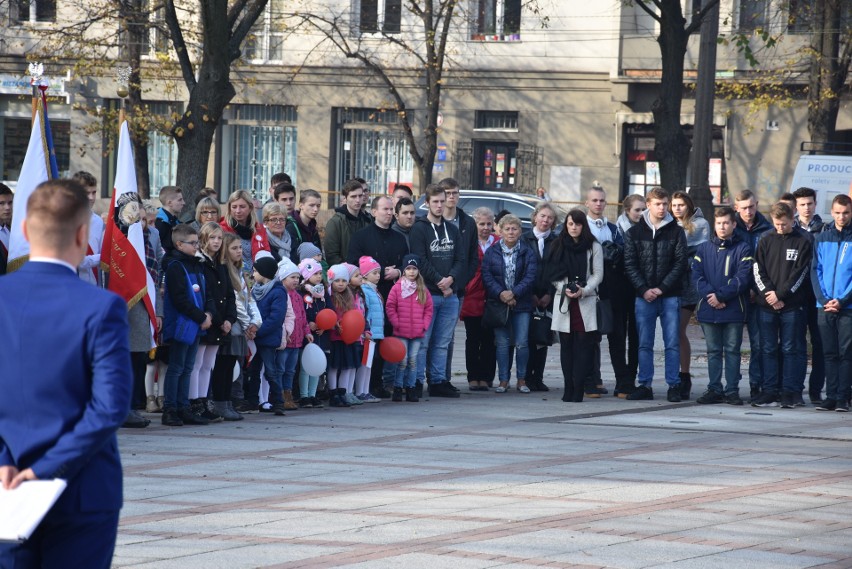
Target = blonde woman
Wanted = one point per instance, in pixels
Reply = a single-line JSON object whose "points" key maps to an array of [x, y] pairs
{"points": [[241, 219]]}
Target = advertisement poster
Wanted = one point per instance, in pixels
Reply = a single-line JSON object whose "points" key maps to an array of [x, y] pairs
{"points": [[501, 163]]}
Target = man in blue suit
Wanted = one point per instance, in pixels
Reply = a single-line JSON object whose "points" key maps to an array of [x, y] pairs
{"points": [[66, 382]]}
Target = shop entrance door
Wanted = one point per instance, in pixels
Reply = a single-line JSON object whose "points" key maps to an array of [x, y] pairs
{"points": [[494, 165]]}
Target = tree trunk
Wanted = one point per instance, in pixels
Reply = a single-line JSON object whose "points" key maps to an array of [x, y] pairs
{"points": [[823, 89], [671, 146]]}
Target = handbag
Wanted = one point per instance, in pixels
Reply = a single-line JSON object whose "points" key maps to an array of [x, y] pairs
{"points": [[496, 313], [604, 316], [540, 328]]}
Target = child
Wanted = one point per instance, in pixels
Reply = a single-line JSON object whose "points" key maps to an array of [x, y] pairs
{"points": [[409, 309], [355, 282], [187, 312], [296, 328], [167, 218], [344, 357], [271, 301], [315, 298], [375, 316], [309, 251]]}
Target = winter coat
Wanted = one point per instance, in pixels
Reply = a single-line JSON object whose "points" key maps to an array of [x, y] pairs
{"points": [[473, 303], [247, 312], [409, 318], [528, 237], [334, 335], [338, 232], [164, 223], [300, 327], [588, 302], [440, 252], [219, 289], [177, 297], [469, 243], [273, 309], [375, 311], [312, 308], [494, 272], [386, 246], [259, 240], [831, 270], [723, 268], [782, 264], [301, 233], [656, 258], [752, 236], [815, 226]]}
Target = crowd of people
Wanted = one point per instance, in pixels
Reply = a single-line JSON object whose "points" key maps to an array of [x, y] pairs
{"points": [[241, 287]]}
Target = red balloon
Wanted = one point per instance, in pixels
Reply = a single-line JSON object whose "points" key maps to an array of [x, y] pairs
{"points": [[392, 350], [326, 319], [352, 326]]}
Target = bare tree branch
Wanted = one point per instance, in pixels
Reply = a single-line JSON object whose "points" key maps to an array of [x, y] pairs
{"points": [[642, 4], [179, 44]]}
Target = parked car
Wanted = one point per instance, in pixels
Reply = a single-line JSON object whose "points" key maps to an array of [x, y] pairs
{"points": [[521, 205]]}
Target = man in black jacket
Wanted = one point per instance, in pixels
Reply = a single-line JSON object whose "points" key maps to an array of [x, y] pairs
{"points": [[655, 260], [781, 271]]}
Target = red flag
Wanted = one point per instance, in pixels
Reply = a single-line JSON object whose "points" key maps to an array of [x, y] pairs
{"points": [[123, 256]]}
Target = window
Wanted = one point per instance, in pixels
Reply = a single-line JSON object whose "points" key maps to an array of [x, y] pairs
{"points": [[754, 14], [496, 120], [497, 20], [33, 11], [266, 40], [801, 19], [378, 16], [162, 150], [14, 139]]}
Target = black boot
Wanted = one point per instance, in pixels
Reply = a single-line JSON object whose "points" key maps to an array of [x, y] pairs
{"points": [[685, 385], [341, 398], [397, 394]]}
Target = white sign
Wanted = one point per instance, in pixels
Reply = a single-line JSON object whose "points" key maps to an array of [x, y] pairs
{"points": [[20, 85]]}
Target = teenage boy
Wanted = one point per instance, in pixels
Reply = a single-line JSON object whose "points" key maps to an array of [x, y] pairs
{"points": [[186, 301], [655, 261], [89, 269], [401, 191], [285, 194], [808, 220], [347, 219], [167, 217], [751, 225], [831, 278], [437, 244], [277, 178], [303, 225], [721, 271], [781, 270]]}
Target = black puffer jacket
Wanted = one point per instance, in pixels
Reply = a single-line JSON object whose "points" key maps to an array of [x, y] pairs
{"points": [[656, 259], [219, 289]]}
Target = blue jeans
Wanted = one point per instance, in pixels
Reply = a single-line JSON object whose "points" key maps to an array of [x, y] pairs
{"points": [[176, 382], [723, 345], [290, 363], [755, 362], [667, 309], [784, 331], [513, 334], [406, 370], [836, 332], [273, 370], [445, 312]]}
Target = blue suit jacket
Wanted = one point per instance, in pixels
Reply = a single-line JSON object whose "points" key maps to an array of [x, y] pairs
{"points": [[65, 380]]}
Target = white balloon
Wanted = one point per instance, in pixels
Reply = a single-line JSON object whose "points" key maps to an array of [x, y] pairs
{"points": [[313, 360]]}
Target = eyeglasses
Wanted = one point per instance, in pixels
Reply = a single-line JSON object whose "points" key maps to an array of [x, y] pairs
{"points": [[210, 212], [277, 220], [192, 243], [451, 194]]}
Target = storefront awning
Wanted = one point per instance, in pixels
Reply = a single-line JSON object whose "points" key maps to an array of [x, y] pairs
{"points": [[719, 119]]}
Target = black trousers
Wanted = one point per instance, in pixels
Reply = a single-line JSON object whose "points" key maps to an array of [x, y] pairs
{"points": [[138, 363], [577, 358], [536, 363], [479, 350], [625, 362], [222, 377]]}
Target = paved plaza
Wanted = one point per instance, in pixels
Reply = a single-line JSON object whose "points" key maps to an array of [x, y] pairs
{"points": [[491, 480]]}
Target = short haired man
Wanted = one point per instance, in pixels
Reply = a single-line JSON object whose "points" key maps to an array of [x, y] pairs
{"points": [[612, 242], [404, 217], [437, 243], [721, 271], [69, 352], [302, 227], [401, 191], [751, 225], [6, 199], [347, 219], [781, 271], [655, 261], [831, 278], [89, 269], [285, 194], [365, 198], [171, 198], [808, 220], [277, 178]]}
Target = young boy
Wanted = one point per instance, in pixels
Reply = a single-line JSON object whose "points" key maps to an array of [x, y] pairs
{"points": [[187, 309], [781, 270], [167, 218], [296, 328], [271, 299], [721, 271]]}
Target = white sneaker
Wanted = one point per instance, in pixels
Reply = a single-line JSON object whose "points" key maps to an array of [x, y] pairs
{"points": [[370, 398], [352, 400]]}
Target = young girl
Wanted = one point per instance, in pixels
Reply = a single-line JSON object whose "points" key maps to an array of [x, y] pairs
{"points": [[697, 232], [314, 298], [370, 269], [344, 358], [409, 309], [356, 279], [220, 290], [235, 348], [296, 329]]}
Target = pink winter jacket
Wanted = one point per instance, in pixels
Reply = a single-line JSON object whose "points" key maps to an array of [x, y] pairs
{"points": [[301, 328], [409, 318]]}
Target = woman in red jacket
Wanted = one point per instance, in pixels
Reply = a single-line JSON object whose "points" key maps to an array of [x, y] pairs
{"points": [[479, 351], [241, 219]]}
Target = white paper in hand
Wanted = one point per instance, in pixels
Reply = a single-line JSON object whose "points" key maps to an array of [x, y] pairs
{"points": [[22, 509]]}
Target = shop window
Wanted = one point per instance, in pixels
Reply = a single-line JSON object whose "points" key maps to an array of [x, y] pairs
{"points": [[378, 16], [496, 20], [32, 11]]}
